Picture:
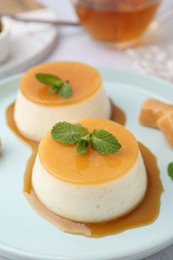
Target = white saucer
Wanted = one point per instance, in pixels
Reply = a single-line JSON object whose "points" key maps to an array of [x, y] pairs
{"points": [[30, 42]]}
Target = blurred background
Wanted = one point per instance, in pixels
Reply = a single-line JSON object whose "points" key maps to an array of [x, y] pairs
{"points": [[32, 43]]}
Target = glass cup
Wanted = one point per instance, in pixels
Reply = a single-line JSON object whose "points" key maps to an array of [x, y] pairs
{"points": [[116, 21]]}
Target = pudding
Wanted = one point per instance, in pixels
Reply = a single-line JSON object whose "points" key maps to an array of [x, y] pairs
{"points": [[90, 187], [37, 110]]}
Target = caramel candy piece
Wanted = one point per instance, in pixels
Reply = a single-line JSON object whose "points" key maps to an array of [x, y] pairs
{"points": [[152, 110], [165, 124]]}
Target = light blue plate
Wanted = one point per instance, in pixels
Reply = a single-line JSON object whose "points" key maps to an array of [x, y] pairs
{"points": [[25, 235]]}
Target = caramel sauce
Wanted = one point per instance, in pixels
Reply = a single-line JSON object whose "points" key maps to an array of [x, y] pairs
{"points": [[90, 168], [115, 21], [144, 214], [118, 114], [83, 87]]}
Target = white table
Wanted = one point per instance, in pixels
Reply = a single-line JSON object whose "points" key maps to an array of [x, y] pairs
{"points": [[75, 44]]}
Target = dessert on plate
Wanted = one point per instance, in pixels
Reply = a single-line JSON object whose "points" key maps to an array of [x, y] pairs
{"points": [[68, 91], [91, 186]]}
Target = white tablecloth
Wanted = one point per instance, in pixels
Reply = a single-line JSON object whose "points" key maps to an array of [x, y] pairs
{"points": [[75, 44]]}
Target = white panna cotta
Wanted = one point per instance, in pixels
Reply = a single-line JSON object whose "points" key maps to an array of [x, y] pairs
{"points": [[37, 110], [90, 187]]}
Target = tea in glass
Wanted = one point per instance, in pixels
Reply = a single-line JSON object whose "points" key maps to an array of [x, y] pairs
{"points": [[116, 20]]}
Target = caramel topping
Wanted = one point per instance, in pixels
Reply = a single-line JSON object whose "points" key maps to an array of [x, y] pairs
{"points": [[63, 162], [84, 80]]}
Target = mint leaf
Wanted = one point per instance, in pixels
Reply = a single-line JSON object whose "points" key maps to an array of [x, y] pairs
{"points": [[49, 79], [170, 170], [57, 84], [65, 91], [87, 138], [104, 142], [101, 140], [82, 147], [68, 133], [54, 89]]}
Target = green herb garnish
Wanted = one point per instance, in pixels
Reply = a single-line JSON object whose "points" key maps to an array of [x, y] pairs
{"points": [[100, 140], [57, 85], [170, 170]]}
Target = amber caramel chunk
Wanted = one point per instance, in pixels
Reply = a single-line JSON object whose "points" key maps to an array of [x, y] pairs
{"points": [[152, 110], [165, 124]]}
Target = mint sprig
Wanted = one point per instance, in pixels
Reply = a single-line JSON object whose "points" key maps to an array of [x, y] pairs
{"points": [[82, 147], [104, 142], [170, 170], [68, 133], [100, 140], [57, 85]]}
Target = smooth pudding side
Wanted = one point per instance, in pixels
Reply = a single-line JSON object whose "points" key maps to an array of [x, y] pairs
{"points": [[36, 110], [90, 203], [41, 118], [91, 187]]}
